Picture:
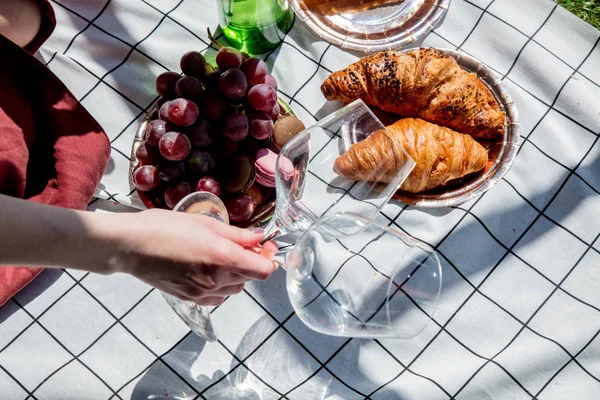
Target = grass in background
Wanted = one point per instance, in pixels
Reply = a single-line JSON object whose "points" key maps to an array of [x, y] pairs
{"points": [[587, 10]]}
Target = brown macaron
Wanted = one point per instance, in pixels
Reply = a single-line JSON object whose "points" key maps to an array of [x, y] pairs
{"points": [[286, 127], [239, 174]]}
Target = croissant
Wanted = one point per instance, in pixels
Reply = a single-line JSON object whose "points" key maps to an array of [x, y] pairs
{"points": [[424, 83], [441, 155]]}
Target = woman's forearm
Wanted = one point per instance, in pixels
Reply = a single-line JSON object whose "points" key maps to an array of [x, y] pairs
{"points": [[41, 235]]}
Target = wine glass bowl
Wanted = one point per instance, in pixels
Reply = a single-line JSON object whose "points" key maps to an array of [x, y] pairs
{"points": [[203, 203], [351, 276], [307, 186]]}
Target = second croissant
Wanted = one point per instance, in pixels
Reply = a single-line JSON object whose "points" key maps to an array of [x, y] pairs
{"points": [[441, 155]]}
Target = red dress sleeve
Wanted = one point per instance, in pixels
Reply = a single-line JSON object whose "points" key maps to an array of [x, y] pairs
{"points": [[52, 151]]}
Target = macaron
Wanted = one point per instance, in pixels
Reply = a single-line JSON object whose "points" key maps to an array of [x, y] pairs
{"points": [[255, 192], [285, 128], [239, 175], [266, 163], [286, 168]]}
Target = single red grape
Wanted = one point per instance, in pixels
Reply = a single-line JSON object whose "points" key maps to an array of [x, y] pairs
{"points": [[261, 129], [235, 126], [155, 130], [181, 112], [163, 111], [201, 162], [214, 106], [274, 113], [193, 64], [170, 171], [240, 208], [174, 146], [228, 57], [165, 84], [145, 178], [174, 194], [209, 184], [271, 81], [233, 84], [146, 154], [261, 124], [188, 87], [262, 97], [255, 70], [200, 134]]}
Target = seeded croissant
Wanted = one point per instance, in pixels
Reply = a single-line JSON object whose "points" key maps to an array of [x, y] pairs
{"points": [[441, 155], [424, 83]]}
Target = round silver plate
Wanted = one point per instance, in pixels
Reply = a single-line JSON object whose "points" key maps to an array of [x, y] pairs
{"points": [[371, 25]]}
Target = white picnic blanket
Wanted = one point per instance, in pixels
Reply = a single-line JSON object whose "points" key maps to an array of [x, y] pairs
{"points": [[519, 313]]}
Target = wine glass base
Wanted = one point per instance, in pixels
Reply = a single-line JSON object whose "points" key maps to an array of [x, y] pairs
{"points": [[196, 317]]}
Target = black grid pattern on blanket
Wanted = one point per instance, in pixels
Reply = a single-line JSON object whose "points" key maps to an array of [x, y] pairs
{"points": [[519, 315]]}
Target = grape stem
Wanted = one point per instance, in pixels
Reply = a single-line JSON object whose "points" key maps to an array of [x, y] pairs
{"points": [[212, 39], [239, 108]]}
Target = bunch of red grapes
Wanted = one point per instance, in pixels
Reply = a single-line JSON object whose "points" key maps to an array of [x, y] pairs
{"points": [[204, 116]]}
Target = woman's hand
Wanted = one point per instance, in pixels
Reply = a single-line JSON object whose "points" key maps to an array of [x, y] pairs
{"points": [[192, 257], [189, 256]]}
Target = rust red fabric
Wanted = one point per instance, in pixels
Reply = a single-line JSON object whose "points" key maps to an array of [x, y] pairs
{"points": [[52, 151]]}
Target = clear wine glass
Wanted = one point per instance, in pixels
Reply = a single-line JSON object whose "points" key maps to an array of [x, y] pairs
{"points": [[352, 276], [195, 316], [307, 187]]}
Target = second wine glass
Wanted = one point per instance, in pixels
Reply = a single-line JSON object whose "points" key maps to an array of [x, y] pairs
{"points": [[307, 186], [355, 277], [197, 317]]}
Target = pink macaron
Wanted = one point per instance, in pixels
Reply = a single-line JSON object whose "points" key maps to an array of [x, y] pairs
{"points": [[266, 163]]}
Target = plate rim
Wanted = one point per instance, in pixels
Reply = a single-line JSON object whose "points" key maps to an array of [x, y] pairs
{"points": [[424, 27]]}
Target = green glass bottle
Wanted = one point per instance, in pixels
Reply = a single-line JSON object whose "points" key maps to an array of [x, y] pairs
{"points": [[255, 26]]}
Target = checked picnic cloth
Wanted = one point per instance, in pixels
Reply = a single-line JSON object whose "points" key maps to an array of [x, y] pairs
{"points": [[519, 314]]}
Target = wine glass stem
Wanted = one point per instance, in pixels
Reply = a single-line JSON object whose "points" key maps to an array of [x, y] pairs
{"points": [[272, 231]]}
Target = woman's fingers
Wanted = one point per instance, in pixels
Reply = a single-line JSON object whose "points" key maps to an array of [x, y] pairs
{"points": [[243, 237], [250, 264], [210, 301], [235, 279], [227, 290], [247, 259], [268, 250]]}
